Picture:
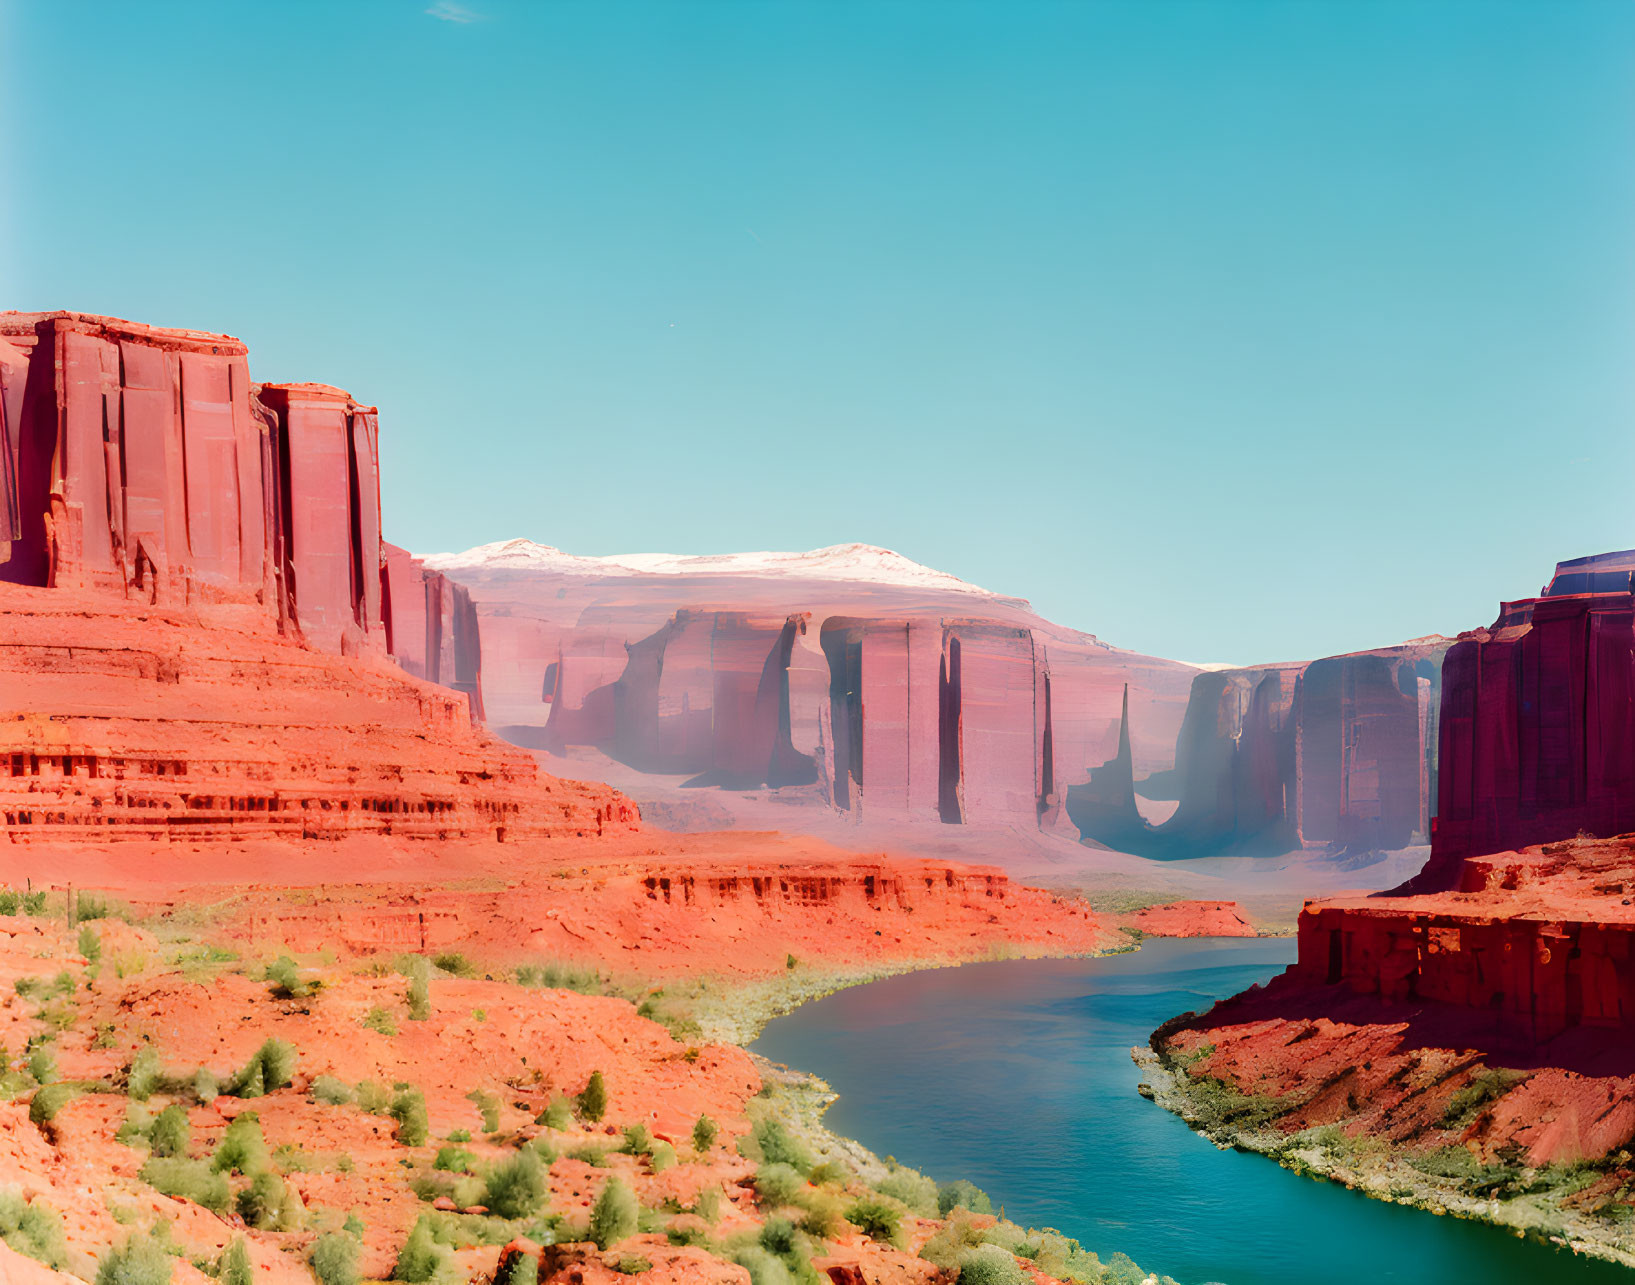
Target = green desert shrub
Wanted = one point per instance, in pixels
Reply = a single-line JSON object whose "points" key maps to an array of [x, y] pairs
{"points": [[284, 980], [453, 1160], [48, 1100], [518, 1269], [455, 964], [708, 1204], [335, 1259], [615, 1214], [876, 1218], [961, 1194], [233, 1267], [913, 1188], [409, 1110], [421, 1257], [373, 1097], [778, 1146], [205, 1088], [331, 1092], [661, 1157], [381, 1021], [777, 1185], [821, 1215], [704, 1134], [764, 1268], [242, 1149], [90, 945], [516, 1186], [488, 1106], [592, 1102], [265, 1203], [557, 1115], [271, 1067], [831, 1173], [42, 1064], [195, 1180], [419, 993], [32, 1229], [169, 1133], [989, 1265], [637, 1140], [141, 1260]]}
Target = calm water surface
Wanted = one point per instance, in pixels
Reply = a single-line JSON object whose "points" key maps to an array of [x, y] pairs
{"points": [[1018, 1076]]}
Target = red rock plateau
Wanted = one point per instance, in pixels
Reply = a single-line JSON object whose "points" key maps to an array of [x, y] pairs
{"points": [[1489, 1004], [1338, 753], [1193, 919], [847, 678], [225, 700]]}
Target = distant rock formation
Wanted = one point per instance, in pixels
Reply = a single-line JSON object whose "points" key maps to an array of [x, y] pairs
{"points": [[850, 676], [1340, 752]]}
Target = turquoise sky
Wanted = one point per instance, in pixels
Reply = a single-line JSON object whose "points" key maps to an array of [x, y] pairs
{"points": [[1229, 331]]}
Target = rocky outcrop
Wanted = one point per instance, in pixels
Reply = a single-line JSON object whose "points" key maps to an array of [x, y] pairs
{"points": [[198, 612], [1538, 725], [905, 697], [1340, 752], [1193, 919]]}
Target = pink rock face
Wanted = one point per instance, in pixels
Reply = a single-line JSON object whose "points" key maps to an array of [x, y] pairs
{"points": [[1338, 752], [1193, 919], [912, 702], [143, 462]]}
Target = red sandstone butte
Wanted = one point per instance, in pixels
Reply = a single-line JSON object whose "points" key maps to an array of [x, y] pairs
{"points": [[1193, 919], [1522, 961]]}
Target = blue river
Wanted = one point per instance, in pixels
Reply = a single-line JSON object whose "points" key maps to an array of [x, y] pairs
{"points": [[1018, 1077]]}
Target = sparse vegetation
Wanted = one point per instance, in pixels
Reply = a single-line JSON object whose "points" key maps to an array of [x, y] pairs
{"points": [[777, 1145], [409, 1110], [331, 1092], [637, 1140], [876, 1218], [32, 1229], [242, 1149], [615, 1214], [592, 1102], [557, 1115], [141, 1260], [233, 1267], [777, 1185], [169, 1133], [421, 1257], [488, 1106], [284, 980], [48, 1100], [270, 1067], [961, 1194], [335, 1259], [516, 1187], [381, 1021], [419, 993], [1485, 1087], [989, 1265], [704, 1134], [144, 1074]]}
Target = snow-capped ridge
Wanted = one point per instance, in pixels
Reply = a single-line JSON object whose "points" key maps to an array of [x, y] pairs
{"points": [[864, 562]]}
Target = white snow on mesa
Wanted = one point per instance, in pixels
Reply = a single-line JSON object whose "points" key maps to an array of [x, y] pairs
{"points": [[864, 562]]}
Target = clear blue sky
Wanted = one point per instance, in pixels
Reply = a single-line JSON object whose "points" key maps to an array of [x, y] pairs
{"points": [[1227, 331]]}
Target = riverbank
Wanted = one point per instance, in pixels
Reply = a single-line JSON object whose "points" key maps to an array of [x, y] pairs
{"points": [[1532, 1206]]}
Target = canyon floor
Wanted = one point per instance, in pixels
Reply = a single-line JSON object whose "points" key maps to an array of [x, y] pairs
{"points": [[374, 1059]]}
